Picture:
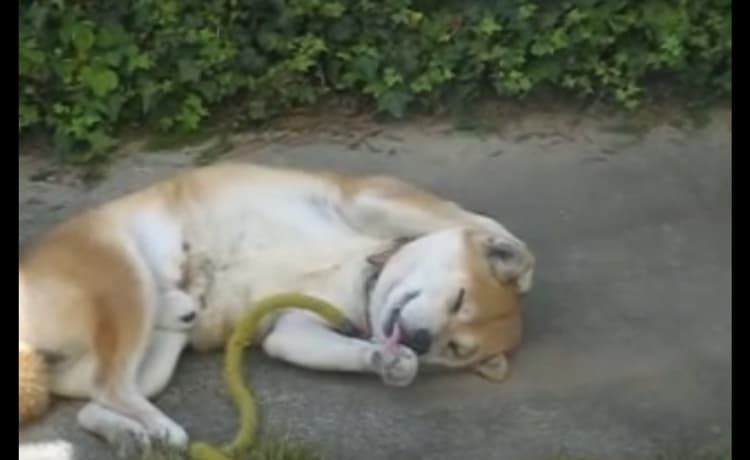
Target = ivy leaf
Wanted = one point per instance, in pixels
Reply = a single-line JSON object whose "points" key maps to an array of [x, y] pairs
{"points": [[394, 102], [113, 37], [188, 71], [332, 10], [392, 77], [342, 30], [82, 37], [138, 61], [27, 115], [257, 109], [148, 89], [100, 80], [488, 26], [366, 67], [100, 141]]}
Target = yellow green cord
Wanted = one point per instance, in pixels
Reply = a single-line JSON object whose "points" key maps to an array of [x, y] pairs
{"points": [[238, 391]]}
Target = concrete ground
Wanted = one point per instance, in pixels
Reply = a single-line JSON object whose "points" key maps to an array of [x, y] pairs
{"points": [[628, 329]]}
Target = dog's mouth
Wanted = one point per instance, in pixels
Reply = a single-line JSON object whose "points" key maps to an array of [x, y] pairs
{"points": [[394, 324]]}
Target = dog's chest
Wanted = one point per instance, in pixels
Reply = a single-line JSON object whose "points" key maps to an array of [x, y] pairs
{"points": [[336, 272], [234, 227]]}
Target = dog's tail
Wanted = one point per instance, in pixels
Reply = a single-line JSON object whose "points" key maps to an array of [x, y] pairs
{"points": [[33, 384]]}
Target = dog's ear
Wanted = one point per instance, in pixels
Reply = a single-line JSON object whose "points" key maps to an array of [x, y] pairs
{"points": [[494, 369], [511, 261], [381, 258]]}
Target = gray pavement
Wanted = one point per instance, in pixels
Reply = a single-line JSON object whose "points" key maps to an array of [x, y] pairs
{"points": [[628, 328]]}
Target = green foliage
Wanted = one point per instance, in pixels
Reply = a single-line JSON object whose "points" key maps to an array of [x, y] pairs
{"points": [[87, 68], [268, 449]]}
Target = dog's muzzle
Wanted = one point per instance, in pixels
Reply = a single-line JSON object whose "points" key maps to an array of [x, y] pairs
{"points": [[419, 340]]}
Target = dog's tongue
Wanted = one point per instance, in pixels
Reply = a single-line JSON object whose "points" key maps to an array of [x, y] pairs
{"points": [[395, 337]]}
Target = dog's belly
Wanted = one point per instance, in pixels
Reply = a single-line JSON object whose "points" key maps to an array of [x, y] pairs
{"points": [[252, 242], [229, 229], [335, 271]]}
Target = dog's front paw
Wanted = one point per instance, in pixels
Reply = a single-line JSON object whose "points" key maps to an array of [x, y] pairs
{"points": [[177, 311], [168, 432], [396, 366], [131, 444]]}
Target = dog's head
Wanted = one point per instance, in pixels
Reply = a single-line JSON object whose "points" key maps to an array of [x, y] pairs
{"points": [[454, 294]]}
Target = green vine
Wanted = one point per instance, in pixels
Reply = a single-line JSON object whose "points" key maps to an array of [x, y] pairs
{"points": [[243, 333]]}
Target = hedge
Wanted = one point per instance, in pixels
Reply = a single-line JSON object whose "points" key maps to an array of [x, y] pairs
{"points": [[89, 67]]}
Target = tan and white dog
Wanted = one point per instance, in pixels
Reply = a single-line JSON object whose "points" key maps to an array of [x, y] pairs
{"points": [[109, 299]]}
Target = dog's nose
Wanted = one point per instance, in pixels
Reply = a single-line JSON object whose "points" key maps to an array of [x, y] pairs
{"points": [[419, 340]]}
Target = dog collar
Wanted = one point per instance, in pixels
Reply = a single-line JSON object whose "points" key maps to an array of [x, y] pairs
{"points": [[375, 264]]}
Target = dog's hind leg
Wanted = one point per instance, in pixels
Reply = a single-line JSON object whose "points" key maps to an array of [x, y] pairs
{"points": [[154, 373], [121, 393], [117, 388], [300, 339], [115, 428], [125, 329], [160, 362], [386, 207], [389, 208]]}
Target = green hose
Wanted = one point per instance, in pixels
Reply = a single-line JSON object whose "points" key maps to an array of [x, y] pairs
{"points": [[238, 391]]}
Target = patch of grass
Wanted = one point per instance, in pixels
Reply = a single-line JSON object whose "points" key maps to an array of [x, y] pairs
{"points": [[163, 453], [676, 453], [287, 449], [699, 454], [268, 449]]}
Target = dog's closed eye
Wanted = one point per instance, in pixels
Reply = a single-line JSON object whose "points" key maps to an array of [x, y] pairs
{"points": [[456, 306], [460, 352]]}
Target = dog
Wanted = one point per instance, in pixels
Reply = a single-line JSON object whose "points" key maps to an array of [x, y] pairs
{"points": [[109, 299]]}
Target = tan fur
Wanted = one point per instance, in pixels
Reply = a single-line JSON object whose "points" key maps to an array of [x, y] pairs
{"points": [[112, 302], [33, 384], [497, 322], [387, 187], [102, 308]]}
